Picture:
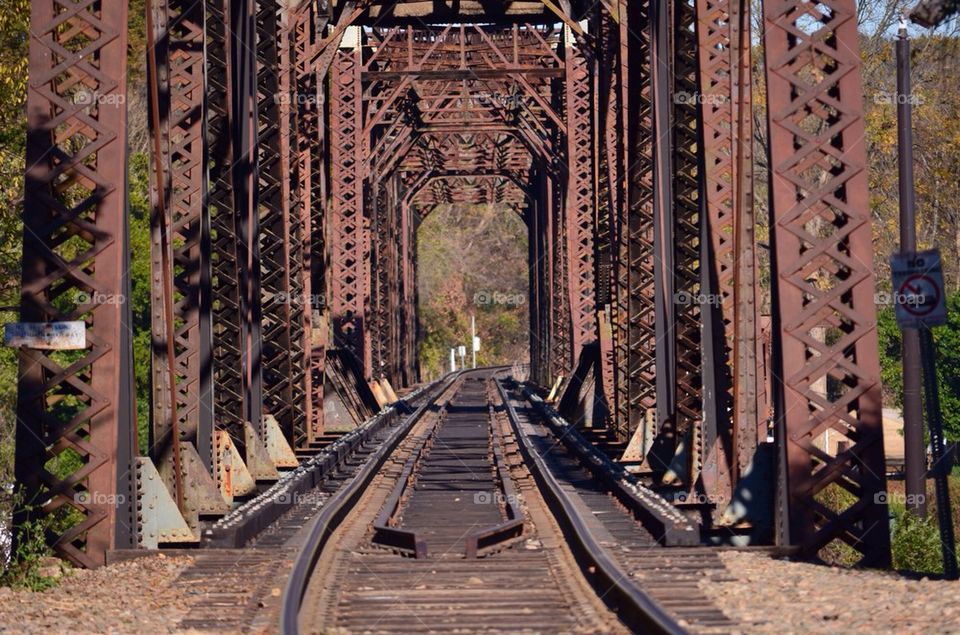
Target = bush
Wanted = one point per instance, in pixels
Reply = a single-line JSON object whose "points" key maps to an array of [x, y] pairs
{"points": [[915, 544], [26, 568]]}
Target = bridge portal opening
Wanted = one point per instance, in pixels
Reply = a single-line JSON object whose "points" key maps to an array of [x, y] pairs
{"points": [[472, 261]]}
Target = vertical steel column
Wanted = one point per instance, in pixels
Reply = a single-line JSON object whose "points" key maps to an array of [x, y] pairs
{"points": [[227, 359], [408, 295], [382, 261], [280, 236], [687, 297], [826, 358], [635, 324], [350, 273], [608, 142], [309, 165], [246, 197], [297, 234], [727, 277], [75, 409], [579, 226], [181, 227]]}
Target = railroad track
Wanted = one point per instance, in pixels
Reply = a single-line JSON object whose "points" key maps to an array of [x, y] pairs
{"points": [[480, 519]]}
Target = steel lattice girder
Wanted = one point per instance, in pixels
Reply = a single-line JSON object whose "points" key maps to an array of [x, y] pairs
{"points": [[309, 190], [227, 357], [608, 143], [730, 406], [825, 315], [76, 408], [180, 231], [280, 238], [579, 215], [635, 318], [350, 251], [686, 236]]}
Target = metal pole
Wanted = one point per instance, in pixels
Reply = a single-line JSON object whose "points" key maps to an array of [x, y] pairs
{"points": [[941, 467], [914, 456], [473, 339], [453, 360]]}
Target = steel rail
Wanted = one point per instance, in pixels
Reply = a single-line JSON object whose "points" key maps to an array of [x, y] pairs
{"points": [[633, 605], [337, 509], [493, 537]]}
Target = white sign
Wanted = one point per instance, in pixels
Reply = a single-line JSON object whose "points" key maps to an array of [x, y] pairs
{"points": [[918, 289], [476, 343], [461, 350], [60, 336]]}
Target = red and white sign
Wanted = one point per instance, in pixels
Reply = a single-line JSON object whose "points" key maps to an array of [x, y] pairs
{"points": [[918, 289]]}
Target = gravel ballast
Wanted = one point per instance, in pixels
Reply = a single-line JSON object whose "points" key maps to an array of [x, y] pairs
{"points": [[137, 596], [779, 596]]}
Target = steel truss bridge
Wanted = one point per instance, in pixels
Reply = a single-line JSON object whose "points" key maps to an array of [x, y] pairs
{"points": [[295, 148]]}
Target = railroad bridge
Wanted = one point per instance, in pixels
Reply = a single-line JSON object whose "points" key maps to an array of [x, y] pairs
{"points": [[296, 146]]}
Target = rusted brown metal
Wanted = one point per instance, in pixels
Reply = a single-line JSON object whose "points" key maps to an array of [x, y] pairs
{"points": [[227, 356], [635, 318], [579, 219], [686, 237], [728, 277], [281, 236], [825, 338], [76, 431], [350, 253], [181, 236]]}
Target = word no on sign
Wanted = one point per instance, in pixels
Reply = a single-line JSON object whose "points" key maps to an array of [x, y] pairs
{"points": [[918, 289]]}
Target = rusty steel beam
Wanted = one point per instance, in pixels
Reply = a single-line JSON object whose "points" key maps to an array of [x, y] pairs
{"points": [[608, 196], [686, 237], [728, 277], [635, 333], [180, 231], [308, 186], [826, 357], [350, 252], [579, 215], [297, 234], [280, 237], [227, 357], [76, 421]]}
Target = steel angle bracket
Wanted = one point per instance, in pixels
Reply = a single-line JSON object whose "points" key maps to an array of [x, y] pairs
{"points": [[160, 520], [279, 451], [233, 477], [200, 494], [258, 458]]}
